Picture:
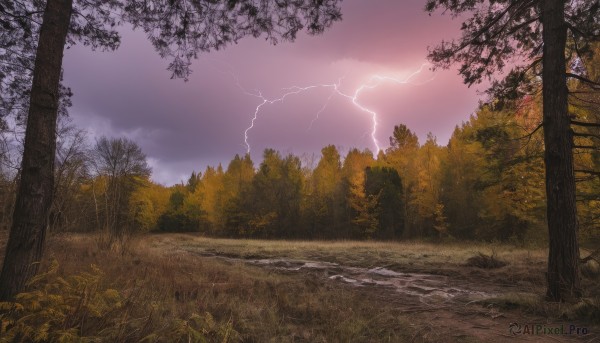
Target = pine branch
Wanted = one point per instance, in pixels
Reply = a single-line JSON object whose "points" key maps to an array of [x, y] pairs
{"points": [[530, 134]]}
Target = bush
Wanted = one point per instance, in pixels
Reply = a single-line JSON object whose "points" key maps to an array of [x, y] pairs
{"points": [[485, 261], [177, 222]]}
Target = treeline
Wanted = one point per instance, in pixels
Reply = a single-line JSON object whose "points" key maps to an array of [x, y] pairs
{"points": [[486, 184], [95, 187]]}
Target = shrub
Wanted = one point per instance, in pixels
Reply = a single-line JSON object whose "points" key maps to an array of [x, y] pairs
{"points": [[485, 261], [77, 309]]}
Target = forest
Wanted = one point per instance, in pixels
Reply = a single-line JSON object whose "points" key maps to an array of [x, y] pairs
{"points": [[481, 238], [487, 184]]}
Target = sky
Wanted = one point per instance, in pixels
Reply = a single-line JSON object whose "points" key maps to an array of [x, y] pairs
{"points": [[185, 126]]}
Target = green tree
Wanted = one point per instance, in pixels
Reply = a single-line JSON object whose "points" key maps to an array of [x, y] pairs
{"points": [[183, 212], [538, 30], [384, 184], [270, 207], [193, 181], [236, 182]]}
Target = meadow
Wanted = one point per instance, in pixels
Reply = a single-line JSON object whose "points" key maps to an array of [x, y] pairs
{"points": [[185, 287]]}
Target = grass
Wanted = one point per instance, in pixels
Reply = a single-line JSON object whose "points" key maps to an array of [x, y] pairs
{"points": [[165, 283], [261, 306], [525, 266]]}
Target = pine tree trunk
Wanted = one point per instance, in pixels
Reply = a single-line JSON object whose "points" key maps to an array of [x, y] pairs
{"points": [[34, 196], [563, 260]]}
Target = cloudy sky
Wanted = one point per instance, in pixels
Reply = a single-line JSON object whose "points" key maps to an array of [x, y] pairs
{"points": [[185, 126]]}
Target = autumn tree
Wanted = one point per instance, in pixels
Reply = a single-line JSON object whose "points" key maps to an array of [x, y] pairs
{"points": [[427, 193], [461, 181], [542, 33], [492, 176], [146, 204], [325, 198], [38, 31], [404, 146], [361, 213], [210, 194]]}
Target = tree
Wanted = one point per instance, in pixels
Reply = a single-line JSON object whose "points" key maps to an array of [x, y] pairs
{"points": [[177, 29], [361, 212], [325, 198], [492, 183], [146, 204], [71, 171], [427, 164], [275, 196], [538, 31], [236, 181], [366, 212], [461, 180], [384, 184], [183, 212], [404, 146], [210, 194], [123, 164]]}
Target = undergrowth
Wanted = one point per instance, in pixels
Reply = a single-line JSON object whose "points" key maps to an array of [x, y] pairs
{"points": [[78, 308]]}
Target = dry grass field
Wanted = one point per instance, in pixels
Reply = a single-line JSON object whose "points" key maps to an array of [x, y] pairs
{"points": [[179, 287]]}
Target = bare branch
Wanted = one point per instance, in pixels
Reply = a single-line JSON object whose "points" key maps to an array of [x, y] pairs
{"points": [[585, 124], [593, 84]]}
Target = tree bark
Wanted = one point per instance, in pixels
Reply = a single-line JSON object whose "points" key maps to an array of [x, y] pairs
{"points": [[563, 276], [34, 196]]}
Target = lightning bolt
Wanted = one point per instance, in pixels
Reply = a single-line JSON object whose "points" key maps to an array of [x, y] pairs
{"points": [[371, 83], [335, 91], [289, 91]]}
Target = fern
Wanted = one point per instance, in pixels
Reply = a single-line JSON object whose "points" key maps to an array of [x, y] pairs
{"points": [[77, 309]]}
